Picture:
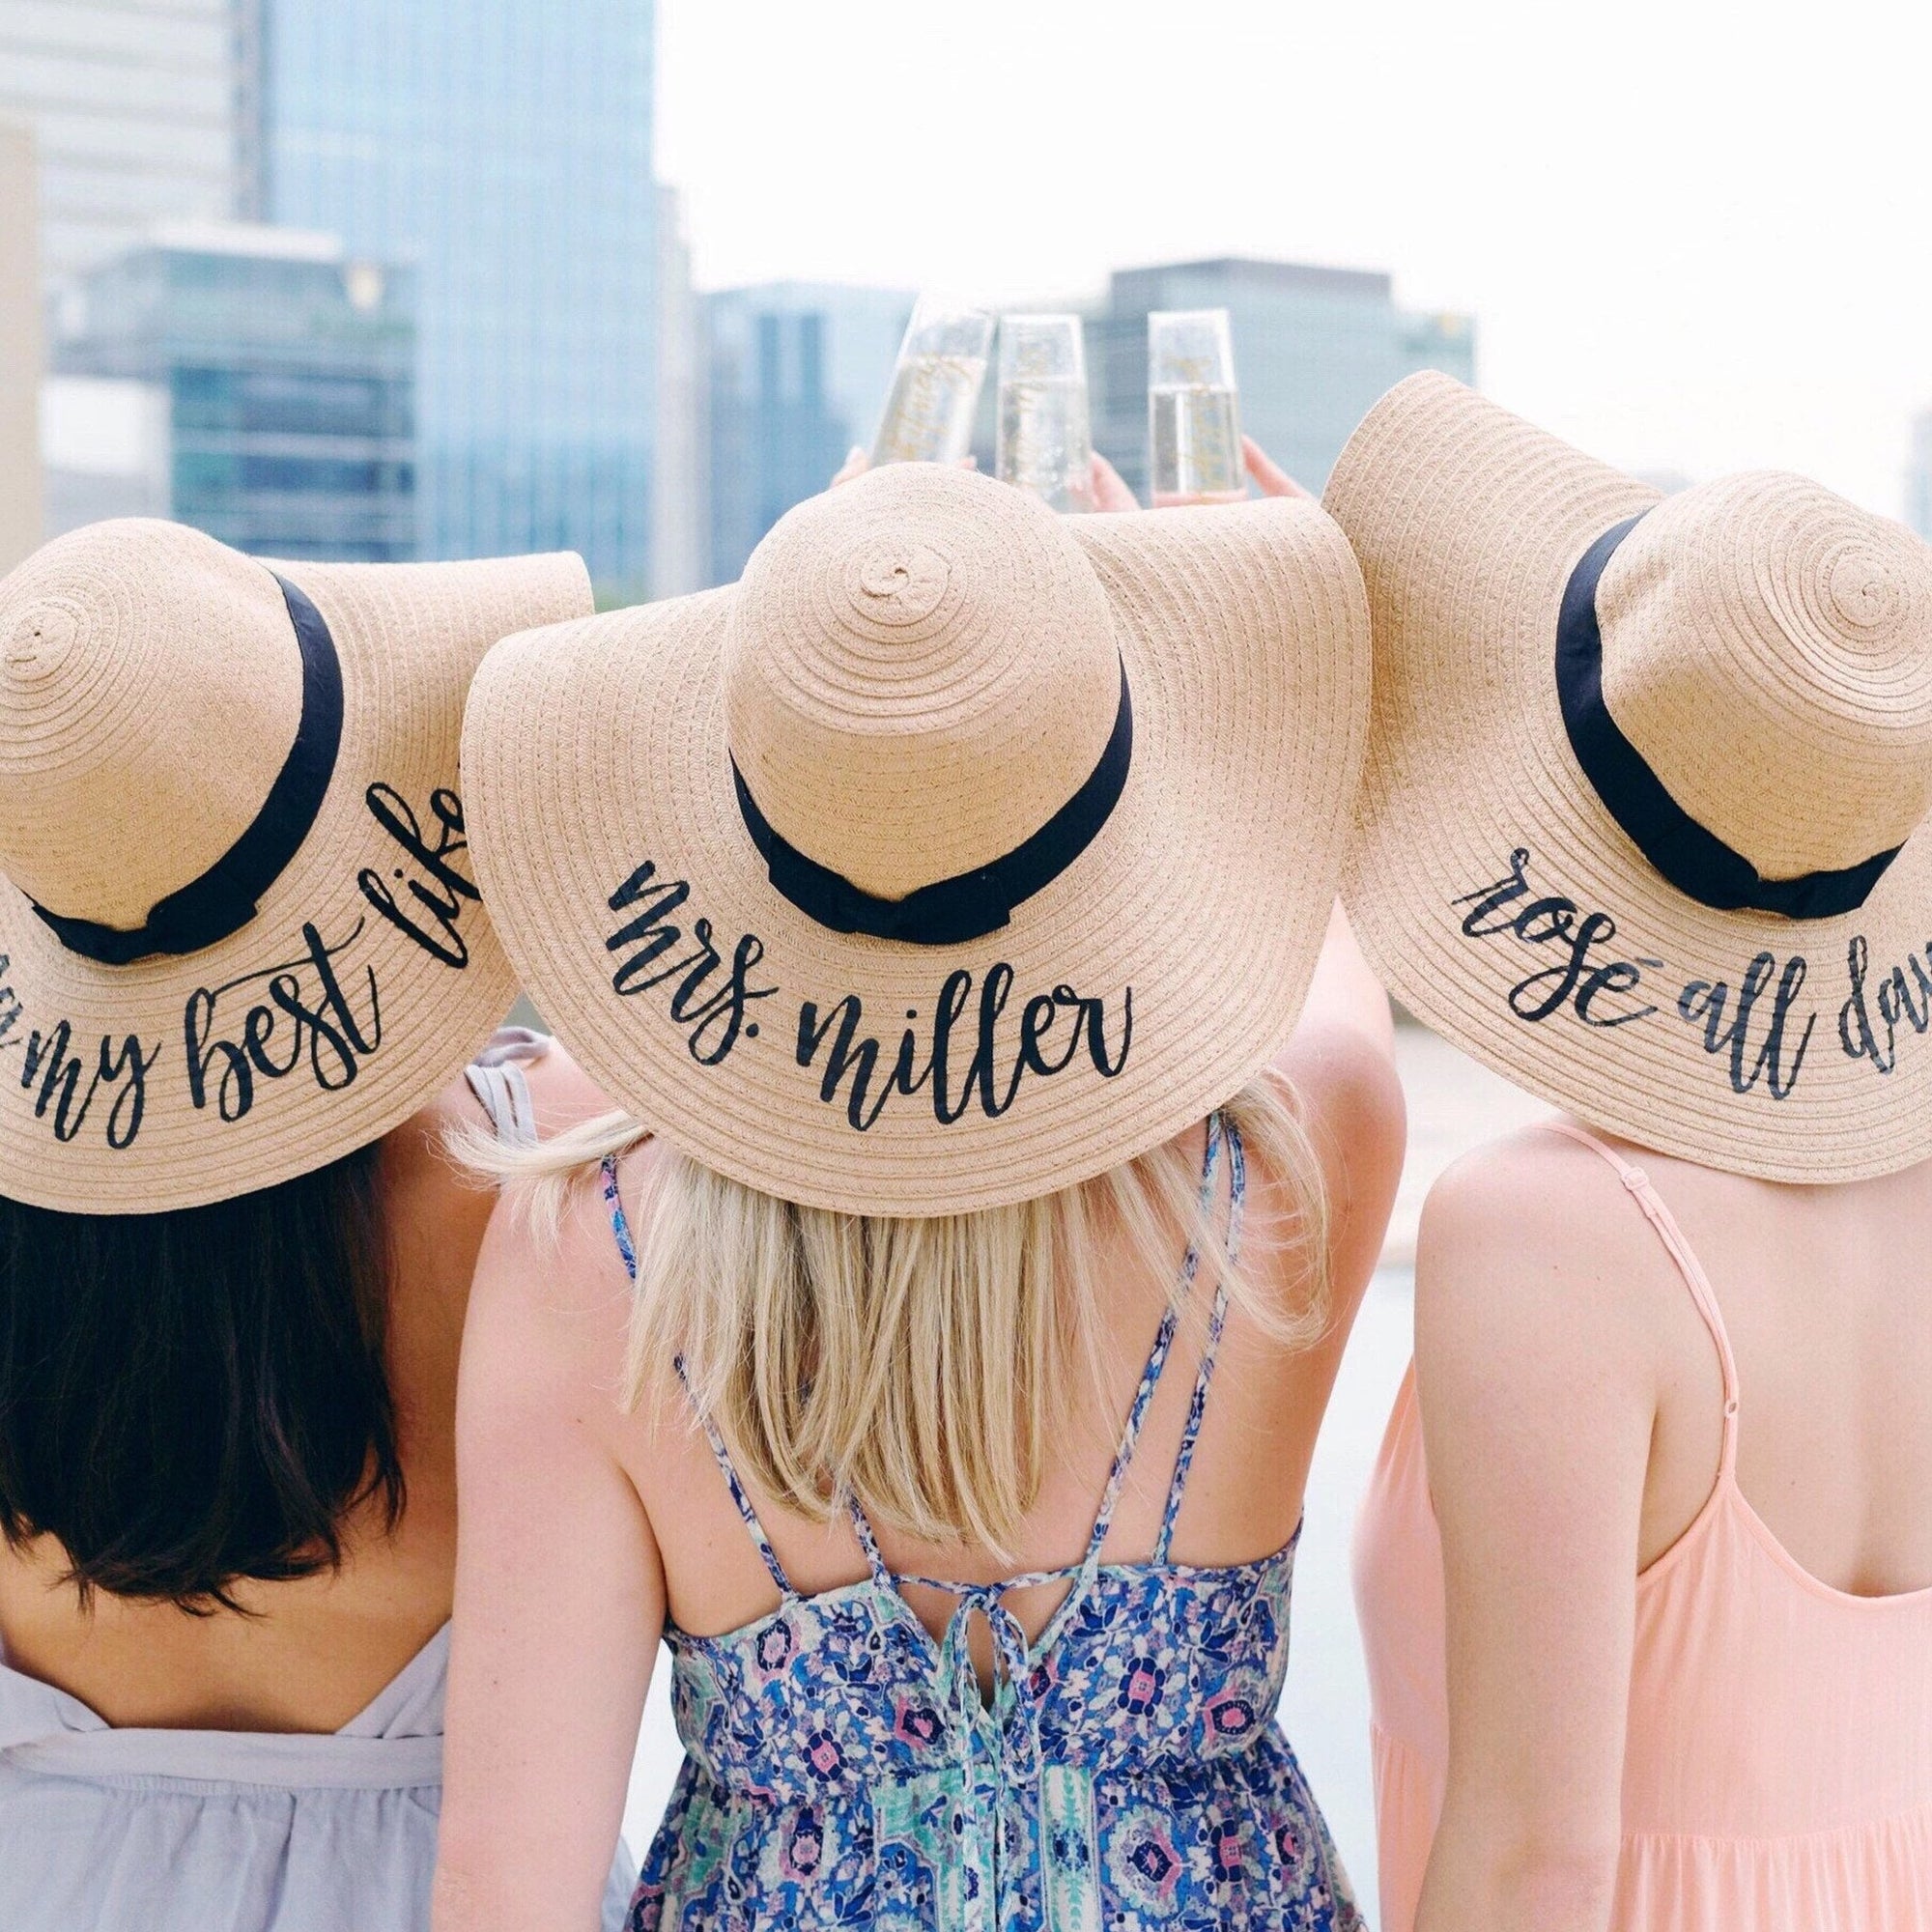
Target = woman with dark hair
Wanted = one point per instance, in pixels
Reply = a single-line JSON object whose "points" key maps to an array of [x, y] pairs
{"points": [[243, 963]]}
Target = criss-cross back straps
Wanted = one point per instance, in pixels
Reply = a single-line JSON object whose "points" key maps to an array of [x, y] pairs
{"points": [[1685, 1259], [1197, 1407], [1163, 1344], [1218, 1134], [627, 1249]]}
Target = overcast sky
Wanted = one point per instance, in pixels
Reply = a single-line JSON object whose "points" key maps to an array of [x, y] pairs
{"points": [[1696, 236]]}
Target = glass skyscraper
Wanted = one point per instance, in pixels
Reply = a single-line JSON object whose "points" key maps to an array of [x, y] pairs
{"points": [[1919, 476], [141, 109], [267, 383], [799, 372], [20, 505], [504, 150]]}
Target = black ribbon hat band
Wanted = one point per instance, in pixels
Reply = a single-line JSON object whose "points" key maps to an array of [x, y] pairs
{"points": [[1689, 856], [224, 898], [970, 905]]}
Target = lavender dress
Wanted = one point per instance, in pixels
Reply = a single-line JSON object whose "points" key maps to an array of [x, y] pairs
{"points": [[105, 1830]]}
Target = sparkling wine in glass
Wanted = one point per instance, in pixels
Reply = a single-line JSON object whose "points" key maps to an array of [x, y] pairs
{"points": [[1192, 426], [936, 384], [1045, 444]]}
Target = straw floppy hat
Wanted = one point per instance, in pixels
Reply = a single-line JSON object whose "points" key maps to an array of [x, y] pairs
{"points": [[960, 852], [1641, 823], [238, 934]]}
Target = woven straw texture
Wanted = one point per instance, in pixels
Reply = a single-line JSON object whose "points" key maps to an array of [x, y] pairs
{"points": [[1766, 647], [150, 690], [917, 671]]}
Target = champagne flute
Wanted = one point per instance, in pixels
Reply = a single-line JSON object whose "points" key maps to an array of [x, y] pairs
{"points": [[1045, 444], [1192, 425], [936, 384]]}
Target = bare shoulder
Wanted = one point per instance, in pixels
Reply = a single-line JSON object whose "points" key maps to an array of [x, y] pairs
{"points": [[1538, 1198], [1351, 1107], [562, 1093], [1351, 1096], [1532, 1251], [551, 1292]]}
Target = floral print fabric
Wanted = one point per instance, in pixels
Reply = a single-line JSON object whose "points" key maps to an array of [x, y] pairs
{"points": [[843, 1769]]}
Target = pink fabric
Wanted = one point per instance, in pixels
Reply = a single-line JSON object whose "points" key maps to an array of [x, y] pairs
{"points": [[1778, 1774]]}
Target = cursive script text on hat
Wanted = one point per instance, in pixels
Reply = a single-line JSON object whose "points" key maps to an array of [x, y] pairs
{"points": [[49, 1064], [1053, 1029], [1755, 1037], [1553, 921], [713, 1015], [962, 1057], [1897, 998], [1703, 1001], [296, 1012], [437, 904]]}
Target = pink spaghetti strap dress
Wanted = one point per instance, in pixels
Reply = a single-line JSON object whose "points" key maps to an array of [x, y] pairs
{"points": [[1778, 1774]]}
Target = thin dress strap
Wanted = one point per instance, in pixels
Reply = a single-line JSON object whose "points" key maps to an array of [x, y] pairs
{"points": [[1197, 1408], [627, 1250], [1130, 1434], [503, 1090], [1681, 1253], [1190, 1267], [861, 1528]]}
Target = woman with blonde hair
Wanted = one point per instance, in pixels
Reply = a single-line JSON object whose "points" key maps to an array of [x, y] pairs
{"points": [[933, 1353], [1645, 1573]]}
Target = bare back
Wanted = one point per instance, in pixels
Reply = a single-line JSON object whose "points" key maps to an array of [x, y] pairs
{"points": [[311, 1653], [1680, 1607], [1823, 1292], [1250, 1462], [589, 1531]]}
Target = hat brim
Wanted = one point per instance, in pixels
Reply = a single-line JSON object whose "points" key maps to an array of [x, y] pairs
{"points": [[595, 753], [1742, 1041], [364, 981]]}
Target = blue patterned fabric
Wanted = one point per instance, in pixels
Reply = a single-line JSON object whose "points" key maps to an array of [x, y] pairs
{"points": [[844, 1768]]}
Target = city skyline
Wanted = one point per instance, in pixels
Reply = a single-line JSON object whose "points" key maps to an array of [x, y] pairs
{"points": [[143, 112], [1689, 242], [164, 110], [500, 157], [20, 351]]}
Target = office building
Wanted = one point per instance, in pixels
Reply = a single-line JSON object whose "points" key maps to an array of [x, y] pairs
{"points": [[20, 349], [1918, 475], [142, 110], [1314, 347], [257, 383], [681, 494], [799, 374], [106, 450], [504, 150]]}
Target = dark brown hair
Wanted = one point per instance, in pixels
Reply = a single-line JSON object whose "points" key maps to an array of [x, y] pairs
{"points": [[194, 1398]]}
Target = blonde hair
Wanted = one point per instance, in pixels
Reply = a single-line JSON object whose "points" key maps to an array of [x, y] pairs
{"points": [[921, 1366]]}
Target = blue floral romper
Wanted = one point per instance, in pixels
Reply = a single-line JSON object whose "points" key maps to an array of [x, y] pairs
{"points": [[843, 1769]]}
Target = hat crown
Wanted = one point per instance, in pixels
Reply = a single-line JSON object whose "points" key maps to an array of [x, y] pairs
{"points": [[920, 670], [149, 690], [1767, 649]]}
